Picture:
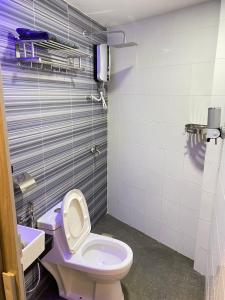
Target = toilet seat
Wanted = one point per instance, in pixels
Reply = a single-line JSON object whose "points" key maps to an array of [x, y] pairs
{"points": [[110, 256], [75, 219], [103, 254]]}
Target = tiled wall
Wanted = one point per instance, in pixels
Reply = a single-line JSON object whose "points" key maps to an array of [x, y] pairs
{"points": [[51, 125], [213, 199], [155, 171]]}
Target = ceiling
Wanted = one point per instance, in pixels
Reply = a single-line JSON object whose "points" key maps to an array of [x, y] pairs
{"points": [[116, 12]]}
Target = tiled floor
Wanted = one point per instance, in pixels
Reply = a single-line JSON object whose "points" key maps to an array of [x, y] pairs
{"points": [[158, 273]]}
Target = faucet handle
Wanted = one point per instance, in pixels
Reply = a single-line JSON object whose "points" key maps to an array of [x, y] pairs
{"points": [[95, 150]]}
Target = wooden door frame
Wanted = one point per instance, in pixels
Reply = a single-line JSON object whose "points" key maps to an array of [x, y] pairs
{"points": [[9, 246]]}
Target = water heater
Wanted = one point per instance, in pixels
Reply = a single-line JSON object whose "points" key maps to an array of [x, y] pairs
{"points": [[102, 62]]}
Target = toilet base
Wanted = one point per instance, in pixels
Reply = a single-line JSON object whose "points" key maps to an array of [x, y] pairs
{"points": [[102, 292], [108, 291], [76, 285]]}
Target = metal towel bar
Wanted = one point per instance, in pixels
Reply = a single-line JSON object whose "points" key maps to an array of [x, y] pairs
{"points": [[65, 57]]}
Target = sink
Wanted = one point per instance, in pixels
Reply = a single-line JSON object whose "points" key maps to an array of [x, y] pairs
{"points": [[32, 244]]}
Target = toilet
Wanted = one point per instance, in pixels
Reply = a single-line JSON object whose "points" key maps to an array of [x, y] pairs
{"points": [[85, 265]]}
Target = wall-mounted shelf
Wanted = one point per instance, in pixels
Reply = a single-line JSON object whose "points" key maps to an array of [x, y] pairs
{"points": [[195, 128], [50, 55]]}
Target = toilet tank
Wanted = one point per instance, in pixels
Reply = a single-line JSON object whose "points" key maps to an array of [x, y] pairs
{"points": [[51, 220]]}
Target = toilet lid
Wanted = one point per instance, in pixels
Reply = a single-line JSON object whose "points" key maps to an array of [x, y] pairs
{"points": [[75, 219]]}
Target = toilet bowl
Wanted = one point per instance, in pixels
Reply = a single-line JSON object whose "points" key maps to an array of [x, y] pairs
{"points": [[85, 265]]}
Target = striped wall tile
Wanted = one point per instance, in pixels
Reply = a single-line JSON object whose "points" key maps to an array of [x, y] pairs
{"points": [[51, 124]]}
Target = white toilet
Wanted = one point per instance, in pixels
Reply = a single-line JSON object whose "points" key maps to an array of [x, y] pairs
{"points": [[85, 265]]}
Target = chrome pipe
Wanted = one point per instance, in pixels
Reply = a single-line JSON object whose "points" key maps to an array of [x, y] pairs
{"points": [[85, 33]]}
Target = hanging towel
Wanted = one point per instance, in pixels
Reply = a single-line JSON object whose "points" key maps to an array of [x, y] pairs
{"points": [[28, 34]]}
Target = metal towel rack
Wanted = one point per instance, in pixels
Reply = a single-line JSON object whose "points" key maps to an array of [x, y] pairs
{"points": [[50, 55]]}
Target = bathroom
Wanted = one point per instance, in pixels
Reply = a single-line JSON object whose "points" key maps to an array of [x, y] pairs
{"points": [[153, 200]]}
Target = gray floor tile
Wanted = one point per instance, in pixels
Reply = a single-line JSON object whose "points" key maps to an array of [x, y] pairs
{"points": [[158, 272]]}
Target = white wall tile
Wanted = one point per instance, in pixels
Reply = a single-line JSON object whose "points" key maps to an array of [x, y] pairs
{"points": [[202, 78], [133, 154], [115, 191], [212, 212], [206, 206], [129, 132], [214, 153], [177, 110], [170, 80], [138, 219], [210, 176], [123, 81], [125, 61], [203, 233], [155, 159], [139, 107], [201, 261], [198, 109], [154, 137], [175, 49], [154, 184], [134, 197], [205, 43], [218, 83], [186, 245], [170, 216], [132, 175], [172, 188], [154, 207], [192, 195], [175, 139], [145, 57], [156, 88], [220, 54], [188, 221], [169, 237], [189, 20], [174, 164], [194, 162], [153, 228]]}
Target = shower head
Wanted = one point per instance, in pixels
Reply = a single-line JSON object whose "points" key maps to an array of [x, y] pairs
{"points": [[124, 44]]}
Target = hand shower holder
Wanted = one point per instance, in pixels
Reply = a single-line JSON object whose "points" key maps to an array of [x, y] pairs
{"points": [[209, 133]]}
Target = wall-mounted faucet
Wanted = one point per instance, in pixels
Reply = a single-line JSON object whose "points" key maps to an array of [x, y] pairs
{"points": [[29, 216], [95, 150]]}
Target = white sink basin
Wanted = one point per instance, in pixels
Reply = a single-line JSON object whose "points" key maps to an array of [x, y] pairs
{"points": [[32, 244]]}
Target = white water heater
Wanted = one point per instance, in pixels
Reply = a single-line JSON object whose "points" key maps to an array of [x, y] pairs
{"points": [[102, 62]]}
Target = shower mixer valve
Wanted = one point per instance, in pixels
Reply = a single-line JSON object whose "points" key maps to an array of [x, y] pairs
{"points": [[95, 150]]}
